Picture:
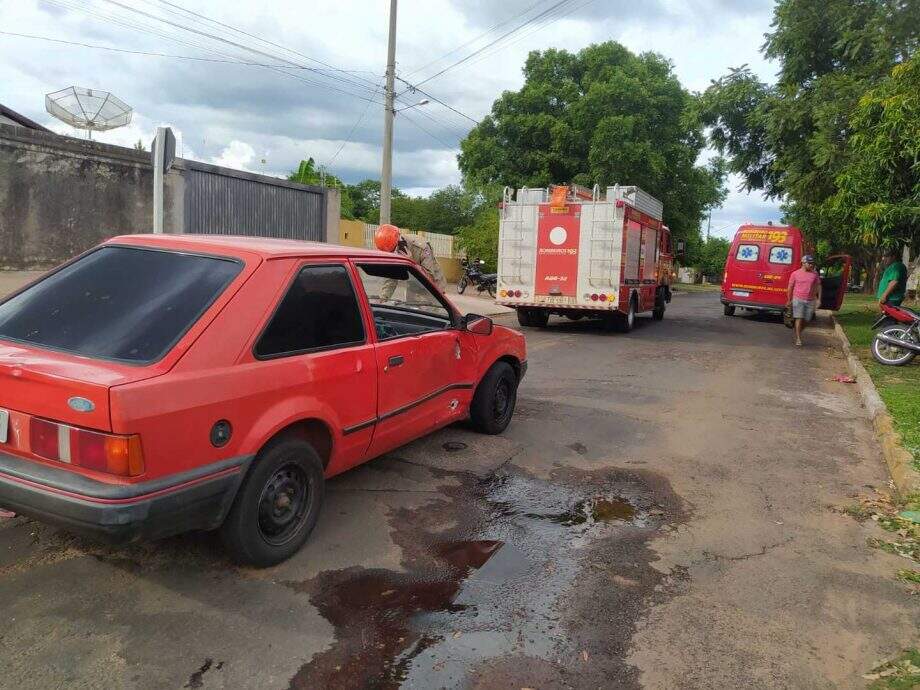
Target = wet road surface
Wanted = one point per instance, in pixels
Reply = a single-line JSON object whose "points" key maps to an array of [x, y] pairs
{"points": [[658, 515]]}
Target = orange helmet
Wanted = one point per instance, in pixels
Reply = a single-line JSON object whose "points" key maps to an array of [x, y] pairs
{"points": [[386, 238]]}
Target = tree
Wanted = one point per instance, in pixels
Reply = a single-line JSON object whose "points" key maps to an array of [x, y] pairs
{"points": [[796, 140], [307, 173], [601, 116], [880, 187], [479, 239]]}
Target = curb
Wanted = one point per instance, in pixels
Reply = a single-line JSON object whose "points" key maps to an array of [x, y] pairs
{"points": [[899, 461]]}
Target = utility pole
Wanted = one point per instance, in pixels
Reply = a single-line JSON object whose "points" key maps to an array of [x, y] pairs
{"points": [[386, 175], [708, 224]]}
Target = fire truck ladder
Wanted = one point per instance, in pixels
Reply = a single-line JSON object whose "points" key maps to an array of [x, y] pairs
{"points": [[602, 238], [515, 251]]}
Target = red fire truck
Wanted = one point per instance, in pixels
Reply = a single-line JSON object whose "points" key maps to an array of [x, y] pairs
{"points": [[579, 253]]}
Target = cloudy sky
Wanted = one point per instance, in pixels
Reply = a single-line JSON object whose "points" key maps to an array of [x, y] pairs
{"points": [[291, 80]]}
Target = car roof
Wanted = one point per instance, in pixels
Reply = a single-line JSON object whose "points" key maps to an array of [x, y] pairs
{"points": [[265, 247]]}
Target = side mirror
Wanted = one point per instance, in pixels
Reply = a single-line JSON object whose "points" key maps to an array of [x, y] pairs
{"points": [[478, 325]]}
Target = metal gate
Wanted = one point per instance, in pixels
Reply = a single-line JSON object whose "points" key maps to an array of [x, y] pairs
{"points": [[219, 201]]}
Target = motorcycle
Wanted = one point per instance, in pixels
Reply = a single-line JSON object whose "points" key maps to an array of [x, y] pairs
{"points": [[898, 344], [473, 275]]}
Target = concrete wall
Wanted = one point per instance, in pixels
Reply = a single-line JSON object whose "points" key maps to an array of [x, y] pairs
{"points": [[59, 196]]}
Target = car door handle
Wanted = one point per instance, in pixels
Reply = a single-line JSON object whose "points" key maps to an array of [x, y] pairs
{"points": [[396, 361]]}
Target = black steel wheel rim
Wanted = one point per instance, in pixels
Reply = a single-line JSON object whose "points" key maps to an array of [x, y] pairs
{"points": [[284, 503], [502, 400]]}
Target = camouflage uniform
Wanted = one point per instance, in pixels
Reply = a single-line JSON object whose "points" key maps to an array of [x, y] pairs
{"points": [[421, 253]]}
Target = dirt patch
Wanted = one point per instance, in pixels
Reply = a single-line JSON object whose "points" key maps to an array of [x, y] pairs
{"points": [[510, 581]]}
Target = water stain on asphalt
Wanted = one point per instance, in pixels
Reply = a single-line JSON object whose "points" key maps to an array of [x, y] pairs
{"points": [[489, 570]]}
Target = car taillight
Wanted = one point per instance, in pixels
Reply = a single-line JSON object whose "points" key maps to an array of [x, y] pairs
{"points": [[110, 453]]}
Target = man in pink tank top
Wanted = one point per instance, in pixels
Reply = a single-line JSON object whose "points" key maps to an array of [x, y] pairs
{"points": [[804, 295]]}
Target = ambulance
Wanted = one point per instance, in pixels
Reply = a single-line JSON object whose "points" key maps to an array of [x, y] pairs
{"points": [[577, 253], [761, 259]]}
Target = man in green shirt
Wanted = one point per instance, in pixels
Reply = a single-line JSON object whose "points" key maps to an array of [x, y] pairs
{"points": [[893, 285]]}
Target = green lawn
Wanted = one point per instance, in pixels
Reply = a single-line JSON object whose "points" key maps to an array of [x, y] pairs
{"points": [[898, 386], [690, 287]]}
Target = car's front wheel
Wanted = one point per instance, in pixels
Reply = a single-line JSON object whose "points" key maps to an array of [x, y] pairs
{"points": [[277, 505], [495, 399]]}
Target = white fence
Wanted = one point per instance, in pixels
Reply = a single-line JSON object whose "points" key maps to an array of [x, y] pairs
{"points": [[443, 245]]}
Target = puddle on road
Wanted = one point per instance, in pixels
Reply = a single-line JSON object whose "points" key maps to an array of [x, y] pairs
{"points": [[492, 587]]}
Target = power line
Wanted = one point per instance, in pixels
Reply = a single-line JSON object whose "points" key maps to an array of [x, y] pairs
{"points": [[549, 20], [280, 69], [428, 132], [351, 131], [222, 39], [473, 40], [228, 61], [488, 45], [263, 40], [412, 87]]}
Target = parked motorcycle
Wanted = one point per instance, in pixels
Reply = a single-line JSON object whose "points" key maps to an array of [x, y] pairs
{"points": [[473, 275], [898, 344]]}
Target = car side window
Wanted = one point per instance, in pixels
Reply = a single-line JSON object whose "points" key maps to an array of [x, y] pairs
{"points": [[401, 302], [748, 252], [318, 312], [781, 255]]}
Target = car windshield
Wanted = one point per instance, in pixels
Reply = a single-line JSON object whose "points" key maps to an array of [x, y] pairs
{"points": [[119, 303]]}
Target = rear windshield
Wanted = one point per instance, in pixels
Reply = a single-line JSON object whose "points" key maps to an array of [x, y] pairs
{"points": [[118, 303]]}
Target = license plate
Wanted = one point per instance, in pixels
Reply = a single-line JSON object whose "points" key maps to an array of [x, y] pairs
{"points": [[4, 425], [556, 299], [741, 293]]}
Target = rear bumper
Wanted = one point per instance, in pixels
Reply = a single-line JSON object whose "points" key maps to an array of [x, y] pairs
{"points": [[754, 306], [118, 513]]}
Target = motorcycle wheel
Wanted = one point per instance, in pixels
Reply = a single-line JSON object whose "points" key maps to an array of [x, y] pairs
{"points": [[892, 355], [491, 290], [461, 286]]}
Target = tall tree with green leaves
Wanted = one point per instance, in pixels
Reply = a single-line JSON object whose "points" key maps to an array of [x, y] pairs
{"points": [[795, 140], [602, 116]]}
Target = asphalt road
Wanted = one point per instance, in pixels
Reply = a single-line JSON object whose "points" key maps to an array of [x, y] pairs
{"points": [[659, 514]]}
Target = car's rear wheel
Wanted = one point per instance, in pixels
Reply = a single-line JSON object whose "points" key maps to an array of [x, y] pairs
{"points": [[495, 399], [277, 505]]}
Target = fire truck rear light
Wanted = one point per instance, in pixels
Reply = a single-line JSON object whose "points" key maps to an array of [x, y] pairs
{"points": [[503, 293], [602, 298], [620, 203], [110, 453], [594, 297], [517, 293], [525, 294]]}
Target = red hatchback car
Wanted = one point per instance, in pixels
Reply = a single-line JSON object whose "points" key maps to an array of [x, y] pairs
{"points": [[158, 384]]}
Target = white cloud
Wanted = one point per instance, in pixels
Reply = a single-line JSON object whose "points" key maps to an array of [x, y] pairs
{"points": [[238, 155]]}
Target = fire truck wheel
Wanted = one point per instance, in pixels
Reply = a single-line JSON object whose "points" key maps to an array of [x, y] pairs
{"points": [[494, 400], [539, 318], [574, 317], [524, 317], [729, 310]]}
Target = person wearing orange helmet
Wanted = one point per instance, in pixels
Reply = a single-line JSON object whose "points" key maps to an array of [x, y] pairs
{"points": [[388, 238]]}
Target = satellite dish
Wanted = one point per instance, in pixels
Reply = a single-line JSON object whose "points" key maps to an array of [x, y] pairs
{"points": [[88, 109]]}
